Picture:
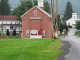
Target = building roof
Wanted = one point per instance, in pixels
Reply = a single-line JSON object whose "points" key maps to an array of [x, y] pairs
{"points": [[39, 9], [7, 18]]}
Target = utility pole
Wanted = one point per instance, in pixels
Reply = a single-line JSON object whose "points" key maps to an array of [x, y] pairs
{"points": [[52, 18], [56, 34]]}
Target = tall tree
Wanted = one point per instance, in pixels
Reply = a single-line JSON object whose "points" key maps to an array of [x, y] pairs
{"points": [[68, 11], [35, 2], [47, 6], [18, 11], [4, 7]]}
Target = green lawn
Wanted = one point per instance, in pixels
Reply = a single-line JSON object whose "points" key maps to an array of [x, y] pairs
{"points": [[77, 33], [29, 49]]}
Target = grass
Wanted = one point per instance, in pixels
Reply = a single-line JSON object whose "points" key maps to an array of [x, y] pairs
{"points": [[29, 49], [77, 33]]}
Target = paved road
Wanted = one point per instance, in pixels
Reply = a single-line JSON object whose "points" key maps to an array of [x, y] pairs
{"points": [[74, 50]]}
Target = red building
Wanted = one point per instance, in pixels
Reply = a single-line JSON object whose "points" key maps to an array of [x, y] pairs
{"points": [[36, 23]]}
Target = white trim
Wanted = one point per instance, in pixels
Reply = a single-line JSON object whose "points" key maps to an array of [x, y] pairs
{"points": [[37, 18], [39, 9]]}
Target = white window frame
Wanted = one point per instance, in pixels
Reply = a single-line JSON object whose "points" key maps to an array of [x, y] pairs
{"points": [[35, 12], [27, 32], [43, 33]]}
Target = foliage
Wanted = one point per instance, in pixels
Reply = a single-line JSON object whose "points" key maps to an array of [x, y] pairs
{"points": [[47, 6], [21, 9], [29, 49], [14, 32], [7, 32], [68, 11], [58, 19], [5, 7], [78, 25], [69, 26], [77, 33], [63, 26], [0, 32]]}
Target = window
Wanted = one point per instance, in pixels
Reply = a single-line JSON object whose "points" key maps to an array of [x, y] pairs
{"points": [[11, 22], [11, 27], [74, 17], [35, 12], [43, 33], [15, 22], [27, 33], [5, 22], [69, 24]]}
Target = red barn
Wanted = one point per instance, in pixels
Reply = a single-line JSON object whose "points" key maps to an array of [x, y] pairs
{"points": [[36, 23]]}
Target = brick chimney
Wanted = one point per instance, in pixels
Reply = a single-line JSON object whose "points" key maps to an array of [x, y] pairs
{"points": [[40, 4], [26, 9]]}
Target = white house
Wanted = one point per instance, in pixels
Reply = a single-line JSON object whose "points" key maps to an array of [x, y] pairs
{"points": [[72, 21], [9, 22]]}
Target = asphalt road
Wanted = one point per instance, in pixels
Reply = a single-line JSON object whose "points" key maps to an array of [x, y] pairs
{"points": [[71, 48]]}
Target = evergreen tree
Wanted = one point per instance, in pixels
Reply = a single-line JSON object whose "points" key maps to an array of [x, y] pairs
{"points": [[4, 7], [35, 2], [7, 32], [47, 6], [14, 32], [68, 11]]}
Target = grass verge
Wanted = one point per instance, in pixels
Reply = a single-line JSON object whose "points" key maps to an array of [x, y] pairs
{"points": [[29, 49], [77, 33]]}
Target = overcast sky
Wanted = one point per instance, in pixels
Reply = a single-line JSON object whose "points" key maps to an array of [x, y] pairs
{"points": [[61, 5]]}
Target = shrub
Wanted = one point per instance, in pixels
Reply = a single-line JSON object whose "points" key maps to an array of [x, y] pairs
{"points": [[7, 32], [14, 32], [69, 26], [78, 25], [55, 37], [63, 26], [0, 32]]}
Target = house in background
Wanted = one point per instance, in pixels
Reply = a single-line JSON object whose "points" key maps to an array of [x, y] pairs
{"points": [[36, 23], [72, 21], [9, 22]]}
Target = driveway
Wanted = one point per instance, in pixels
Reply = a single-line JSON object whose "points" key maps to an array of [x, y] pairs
{"points": [[71, 47]]}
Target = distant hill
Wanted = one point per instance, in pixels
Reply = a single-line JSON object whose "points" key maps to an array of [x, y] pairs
{"points": [[61, 5]]}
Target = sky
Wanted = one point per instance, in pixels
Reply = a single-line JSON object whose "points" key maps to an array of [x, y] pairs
{"points": [[61, 5]]}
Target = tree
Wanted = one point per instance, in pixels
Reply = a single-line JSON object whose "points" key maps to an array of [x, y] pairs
{"points": [[14, 32], [21, 9], [78, 25], [35, 2], [7, 32], [68, 11], [5, 7], [59, 20], [47, 6]]}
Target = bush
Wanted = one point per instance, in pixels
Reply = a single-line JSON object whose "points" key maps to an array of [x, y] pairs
{"points": [[63, 26], [14, 32], [78, 25], [0, 32], [55, 37], [7, 32], [69, 26]]}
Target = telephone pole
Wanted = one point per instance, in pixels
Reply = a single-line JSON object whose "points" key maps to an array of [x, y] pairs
{"points": [[52, 18], [56, 34]]}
